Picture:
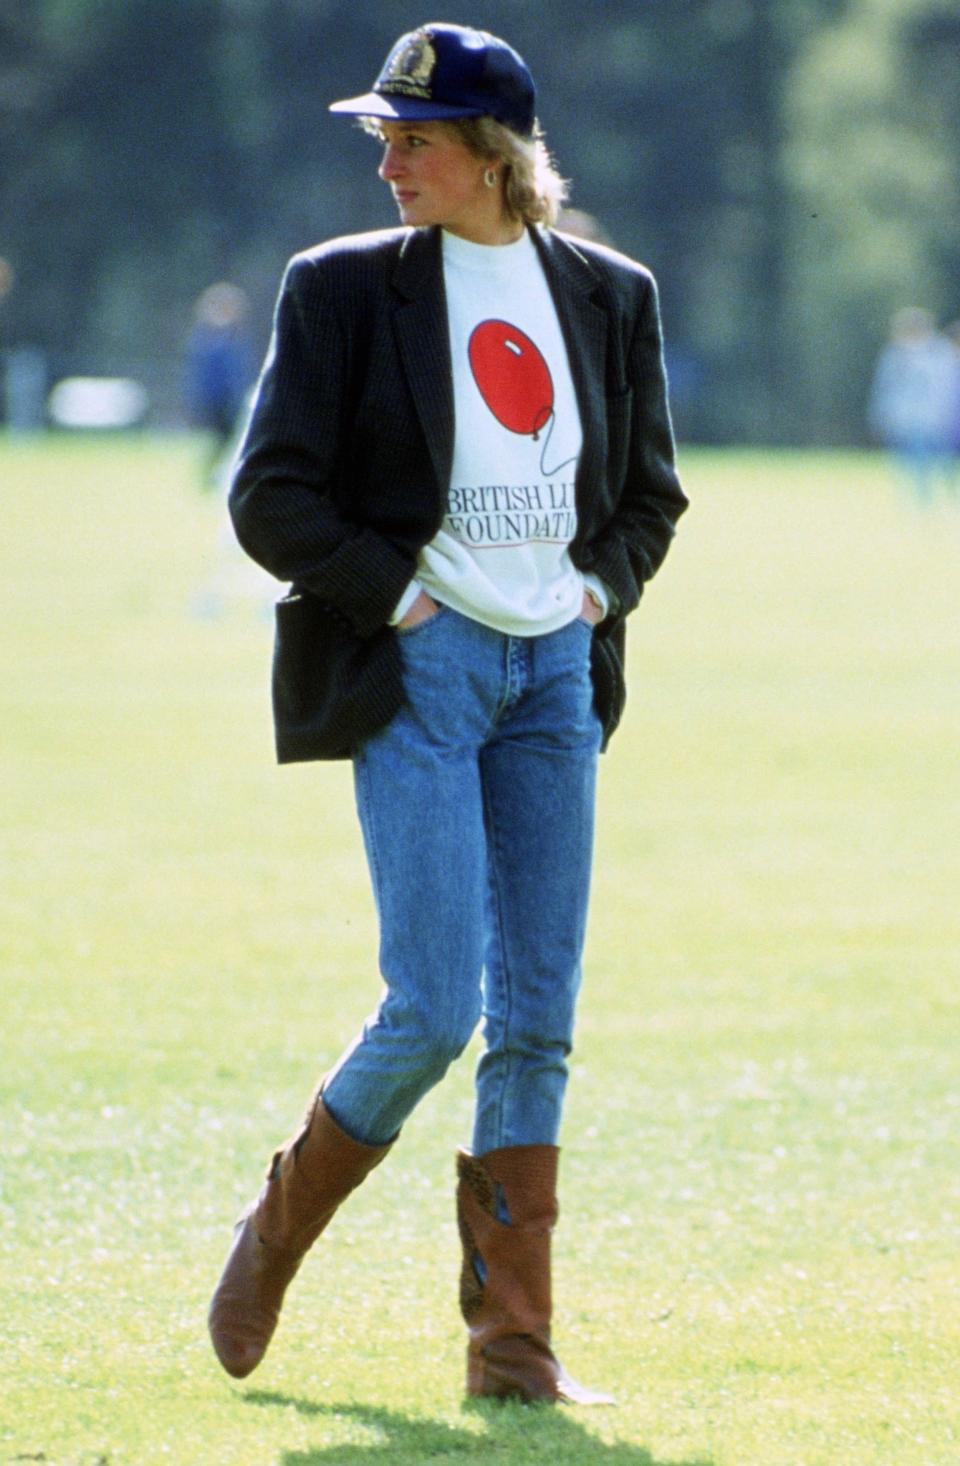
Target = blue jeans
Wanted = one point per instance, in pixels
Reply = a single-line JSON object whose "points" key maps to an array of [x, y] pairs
{"points": [[476, 804]]}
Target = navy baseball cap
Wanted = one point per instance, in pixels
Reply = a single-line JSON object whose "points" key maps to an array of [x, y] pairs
{"points": [[443, 71]]}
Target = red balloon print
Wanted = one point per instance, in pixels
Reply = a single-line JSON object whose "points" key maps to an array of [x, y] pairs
{"points": [[513, 378]]}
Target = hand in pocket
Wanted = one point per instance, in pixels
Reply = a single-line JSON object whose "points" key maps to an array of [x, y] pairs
{"points": [[422, 609]]}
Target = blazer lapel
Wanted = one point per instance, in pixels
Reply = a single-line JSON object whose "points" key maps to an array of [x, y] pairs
{"points": [[574, 287], [423, 343], [420, 322]]}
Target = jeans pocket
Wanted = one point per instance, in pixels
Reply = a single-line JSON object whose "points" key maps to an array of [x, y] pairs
{"points": [[406, 633]]}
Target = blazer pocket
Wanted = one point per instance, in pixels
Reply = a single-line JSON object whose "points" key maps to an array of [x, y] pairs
{"points": [[331, 689], [619, 427]]}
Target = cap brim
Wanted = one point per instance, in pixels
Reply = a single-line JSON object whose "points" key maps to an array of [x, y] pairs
{"points": [[416, 109]]}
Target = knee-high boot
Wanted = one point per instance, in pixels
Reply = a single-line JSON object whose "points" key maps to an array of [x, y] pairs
{"points": [[307, 1180], [506, 1209]]}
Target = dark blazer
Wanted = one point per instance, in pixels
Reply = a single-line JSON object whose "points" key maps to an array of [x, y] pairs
{"points": [[343, 473]]}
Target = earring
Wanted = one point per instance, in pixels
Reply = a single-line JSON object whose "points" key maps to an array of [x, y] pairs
{"points": [[490, 177]]}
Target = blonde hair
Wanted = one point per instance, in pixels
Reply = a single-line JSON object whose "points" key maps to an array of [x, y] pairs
{"points": [[532, 187]]}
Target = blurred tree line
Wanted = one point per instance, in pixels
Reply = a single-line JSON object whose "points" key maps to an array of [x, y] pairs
{"points": [[790, 169]]}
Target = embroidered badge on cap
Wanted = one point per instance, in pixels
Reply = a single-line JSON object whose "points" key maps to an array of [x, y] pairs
{"points": [[409, 67], [443, 71]]}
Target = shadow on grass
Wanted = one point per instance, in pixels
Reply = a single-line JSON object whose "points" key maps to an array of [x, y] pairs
{"points": [[410, 1440]]}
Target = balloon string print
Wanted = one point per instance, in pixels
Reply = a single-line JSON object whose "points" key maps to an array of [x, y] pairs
{"points": [[515, 382]]}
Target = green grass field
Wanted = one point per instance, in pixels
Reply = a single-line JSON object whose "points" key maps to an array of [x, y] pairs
{"points": [[759, 1248]]}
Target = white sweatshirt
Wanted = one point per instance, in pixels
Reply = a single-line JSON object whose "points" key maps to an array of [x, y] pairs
{"points": [[502, 553]]}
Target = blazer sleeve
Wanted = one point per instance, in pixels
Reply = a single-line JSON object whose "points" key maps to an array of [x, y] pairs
{"points": [[287, 500], [642, 475]]}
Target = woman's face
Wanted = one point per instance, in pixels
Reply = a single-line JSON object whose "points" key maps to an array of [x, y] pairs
{"points": [[435, 179]]}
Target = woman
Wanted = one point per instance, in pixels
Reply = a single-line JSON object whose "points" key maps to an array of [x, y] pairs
{"points": [[461, 457]]}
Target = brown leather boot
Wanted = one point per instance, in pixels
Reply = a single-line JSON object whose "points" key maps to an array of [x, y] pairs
{"points": [[506, 1209], [308, 1179]]}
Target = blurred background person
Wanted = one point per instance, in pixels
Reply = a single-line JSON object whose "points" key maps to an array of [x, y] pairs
{"points": [[23, 371], [232, 579], [953, 335], [6, 285], [914, 397], [220, 370]]}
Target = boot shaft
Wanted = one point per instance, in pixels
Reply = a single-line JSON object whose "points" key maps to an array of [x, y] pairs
{"points": [[308, 1178], [506, 1211]]}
